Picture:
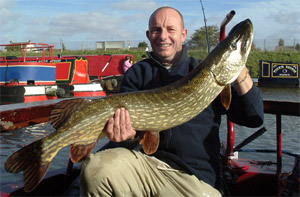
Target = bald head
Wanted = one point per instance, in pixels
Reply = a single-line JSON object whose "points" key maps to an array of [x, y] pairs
{"points": [[165, 8]]}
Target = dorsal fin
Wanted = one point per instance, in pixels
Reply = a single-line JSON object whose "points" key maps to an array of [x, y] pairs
{"points": [[63, 110]]}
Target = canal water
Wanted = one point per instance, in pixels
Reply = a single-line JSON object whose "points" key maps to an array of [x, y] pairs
{"points": [[14, 140]]}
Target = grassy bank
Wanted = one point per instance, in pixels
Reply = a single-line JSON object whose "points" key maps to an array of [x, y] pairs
{"points": [[256, 56], [253, 59]]}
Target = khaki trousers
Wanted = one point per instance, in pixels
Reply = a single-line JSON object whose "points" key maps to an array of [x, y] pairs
{"points": [[123, 172]]}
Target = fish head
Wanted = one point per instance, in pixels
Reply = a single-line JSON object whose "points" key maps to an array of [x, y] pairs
{"points": [[231, 54]]}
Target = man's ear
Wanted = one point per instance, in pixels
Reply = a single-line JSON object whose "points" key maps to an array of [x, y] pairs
{"points": [[184, 35], [147, 34]]}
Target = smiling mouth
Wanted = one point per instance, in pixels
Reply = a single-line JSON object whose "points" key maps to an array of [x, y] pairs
{"points": [[164, 45]]}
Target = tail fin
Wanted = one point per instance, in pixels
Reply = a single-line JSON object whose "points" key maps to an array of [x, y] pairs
{"points": [[28, 160]]}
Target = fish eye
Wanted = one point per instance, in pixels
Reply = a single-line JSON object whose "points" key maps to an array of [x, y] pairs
{"points": [[233, 46]]}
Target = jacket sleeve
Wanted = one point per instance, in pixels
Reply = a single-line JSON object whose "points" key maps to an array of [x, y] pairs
{"points": [[132, 80], [247, 110]]}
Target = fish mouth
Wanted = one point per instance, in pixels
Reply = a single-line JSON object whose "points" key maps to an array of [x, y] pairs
{"points": [[244, 27], [244, 30]]}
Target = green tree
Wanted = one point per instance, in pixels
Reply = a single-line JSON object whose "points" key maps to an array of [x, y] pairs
{"points": [[13, 48], [198, 38], [62, 45], [142, 45], [281, 42], [253, 47], [297, 47]]}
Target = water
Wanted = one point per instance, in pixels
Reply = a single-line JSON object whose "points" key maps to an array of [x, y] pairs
{"points": [[14, 140], [290, 130]]}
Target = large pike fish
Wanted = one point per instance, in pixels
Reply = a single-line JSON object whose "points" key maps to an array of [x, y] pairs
{"points": [[80, 122]]}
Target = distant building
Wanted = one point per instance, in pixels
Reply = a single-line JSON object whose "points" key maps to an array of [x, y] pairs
{"points": [[104, 45], [28, 45], [284, 48]]}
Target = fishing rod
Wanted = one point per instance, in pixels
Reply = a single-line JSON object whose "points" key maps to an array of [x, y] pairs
{"points": [[207, 39]]}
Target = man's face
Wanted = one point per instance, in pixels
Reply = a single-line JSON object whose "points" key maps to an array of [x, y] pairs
{"points": [[166, 35]]}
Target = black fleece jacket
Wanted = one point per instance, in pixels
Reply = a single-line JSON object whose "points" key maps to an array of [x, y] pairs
{"points": [[195, 145]]}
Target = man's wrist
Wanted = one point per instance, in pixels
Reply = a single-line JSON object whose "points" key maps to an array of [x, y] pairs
{"points": [[244, 82], [237, 82]]}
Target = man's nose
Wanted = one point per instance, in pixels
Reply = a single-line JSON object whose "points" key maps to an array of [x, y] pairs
{"points": [[163, 34]]}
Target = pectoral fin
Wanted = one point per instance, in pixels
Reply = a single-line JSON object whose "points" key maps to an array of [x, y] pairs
{"points": [[226, 96], [78, 152], [150, 141]]}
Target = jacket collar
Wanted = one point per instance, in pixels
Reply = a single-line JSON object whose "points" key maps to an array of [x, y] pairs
{"points": [[184, 57]]}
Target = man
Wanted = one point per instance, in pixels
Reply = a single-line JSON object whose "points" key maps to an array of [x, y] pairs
{"points": [[187, 162]]}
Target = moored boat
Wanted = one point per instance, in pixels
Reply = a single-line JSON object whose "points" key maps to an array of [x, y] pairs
{"points": [[39, 78], [279, 74]]}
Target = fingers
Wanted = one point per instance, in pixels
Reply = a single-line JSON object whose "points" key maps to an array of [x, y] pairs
{"points": [[119, 126], [122, 124], [130, 131], [109, 128], [116, 126]]}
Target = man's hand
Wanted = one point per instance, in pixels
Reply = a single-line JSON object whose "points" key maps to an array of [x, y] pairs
{"points": [[119, 126]]}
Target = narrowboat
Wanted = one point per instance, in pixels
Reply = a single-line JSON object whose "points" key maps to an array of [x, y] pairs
{"points": [[40, 78], [278, 74]]}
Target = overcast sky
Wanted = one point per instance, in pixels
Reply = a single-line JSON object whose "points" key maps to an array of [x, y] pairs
{"points": [[98, 20]]}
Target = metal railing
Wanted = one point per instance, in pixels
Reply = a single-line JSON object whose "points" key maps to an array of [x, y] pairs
{"points": [[260, 44]]}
